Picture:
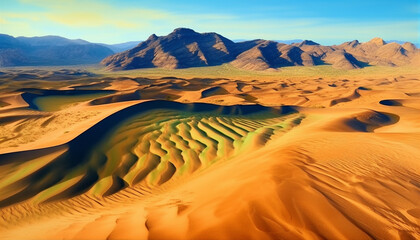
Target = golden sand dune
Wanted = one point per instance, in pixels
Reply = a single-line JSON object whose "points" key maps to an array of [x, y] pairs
{"points": [[144, 145], [210, 158]]}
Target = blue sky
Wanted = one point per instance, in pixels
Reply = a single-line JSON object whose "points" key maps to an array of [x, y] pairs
{"points": [[114, 21]]}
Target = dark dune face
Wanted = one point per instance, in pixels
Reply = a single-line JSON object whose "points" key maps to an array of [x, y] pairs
{"points": [[389, 102]]}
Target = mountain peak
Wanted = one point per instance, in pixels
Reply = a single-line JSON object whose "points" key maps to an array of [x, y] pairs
{"points": [[183, 31], [378, 41], [152, 37], [409, 46], [354, 43], [307, 42]]}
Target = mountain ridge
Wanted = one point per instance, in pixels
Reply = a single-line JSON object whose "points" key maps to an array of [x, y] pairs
{"points": [[54, 50], [48, 50], [184, 48]]}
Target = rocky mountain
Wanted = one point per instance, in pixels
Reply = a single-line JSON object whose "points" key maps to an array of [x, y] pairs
{"points": [[269, 54], [182, 48], [185, 48], [378, 52], [49, 50]]}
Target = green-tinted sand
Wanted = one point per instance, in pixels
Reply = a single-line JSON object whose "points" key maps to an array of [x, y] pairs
{"points": [[147, 150], [57, 102], [153, 147]]}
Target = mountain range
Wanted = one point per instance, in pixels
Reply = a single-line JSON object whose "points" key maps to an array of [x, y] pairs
{"points": [[185, 48], [54, 50]]}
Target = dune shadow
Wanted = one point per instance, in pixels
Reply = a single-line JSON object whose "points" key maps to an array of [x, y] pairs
{"points": [[390, 102]]}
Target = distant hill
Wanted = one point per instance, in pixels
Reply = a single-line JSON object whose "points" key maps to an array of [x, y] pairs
{"points": [[120, 47], [289, 41], [402, 42], [50, 41], [49, 50], [280, 41], [185, 48]]}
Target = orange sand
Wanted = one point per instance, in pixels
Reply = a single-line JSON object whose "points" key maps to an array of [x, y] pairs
{"points": [[344, 165]]}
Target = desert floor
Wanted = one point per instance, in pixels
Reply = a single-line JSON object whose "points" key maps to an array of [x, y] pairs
{"points": [[210, 153]]}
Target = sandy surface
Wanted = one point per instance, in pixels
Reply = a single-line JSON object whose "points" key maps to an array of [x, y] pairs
{"points": [[172, 158]]}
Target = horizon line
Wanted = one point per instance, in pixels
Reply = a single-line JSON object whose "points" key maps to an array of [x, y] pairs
{"points": [[233, 40]]}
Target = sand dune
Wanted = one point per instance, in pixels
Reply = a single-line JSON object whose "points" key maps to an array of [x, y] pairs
{"points": [[208, 158], [137, 149]]}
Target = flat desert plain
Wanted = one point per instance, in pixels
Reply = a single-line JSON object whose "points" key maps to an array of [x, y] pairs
{"points": [[210, 153]]}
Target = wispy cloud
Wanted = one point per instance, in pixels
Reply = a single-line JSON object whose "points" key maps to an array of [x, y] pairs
{"points": [[105, 22], [79, 15]]}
